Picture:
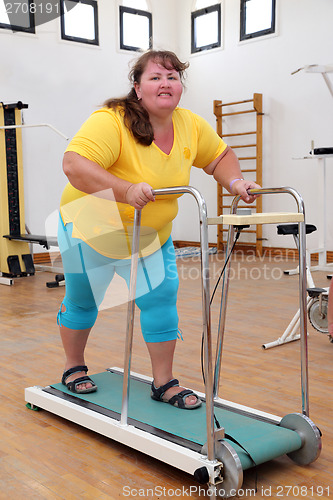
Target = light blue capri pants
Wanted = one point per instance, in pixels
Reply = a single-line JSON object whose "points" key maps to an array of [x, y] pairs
{"points": [[88, 275]]}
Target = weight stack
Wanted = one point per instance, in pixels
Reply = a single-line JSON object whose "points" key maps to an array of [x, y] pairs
{"points": [[15, 257]]}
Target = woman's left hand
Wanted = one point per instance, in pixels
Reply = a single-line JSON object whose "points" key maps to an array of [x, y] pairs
{"points": [[241, 188]]}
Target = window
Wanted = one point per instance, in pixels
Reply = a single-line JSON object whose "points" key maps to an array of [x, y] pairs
{"points": [[79, 21], [206, 28], [257, 18], [135, 29], [17, 16]]}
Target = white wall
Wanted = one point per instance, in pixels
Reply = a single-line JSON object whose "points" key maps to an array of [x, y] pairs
{"points": [[63, 82], [297, 108]]}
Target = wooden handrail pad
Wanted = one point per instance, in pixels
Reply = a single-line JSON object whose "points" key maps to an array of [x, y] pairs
{"points": [[260, 218]]}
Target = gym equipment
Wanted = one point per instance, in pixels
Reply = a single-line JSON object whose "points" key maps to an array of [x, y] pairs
{"points": [[321, 153], [245, 436], [317, 68], [317, 299], [15, 257], [318, 309], [322, 203], [58, 281], [241, 122]]}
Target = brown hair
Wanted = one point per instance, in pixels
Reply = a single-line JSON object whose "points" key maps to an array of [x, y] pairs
{"points": [[136, 118]]}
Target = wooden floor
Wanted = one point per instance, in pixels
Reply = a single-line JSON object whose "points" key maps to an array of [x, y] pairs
{"points": [[45, 457]]}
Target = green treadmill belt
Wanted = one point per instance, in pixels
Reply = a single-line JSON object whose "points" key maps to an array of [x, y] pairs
{"points": [[262, 440]]}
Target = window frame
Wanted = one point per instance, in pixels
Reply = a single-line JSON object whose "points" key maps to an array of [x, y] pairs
{"points": [[14, 27], [201, 12], [94, 5], [129, 10], [268, 31]]}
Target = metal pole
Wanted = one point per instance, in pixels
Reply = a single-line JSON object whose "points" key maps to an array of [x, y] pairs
{"points": [[303, 318], [5, 127], [302, 295], [206, 317], [223, 312], [130, 317], [206, 321]]}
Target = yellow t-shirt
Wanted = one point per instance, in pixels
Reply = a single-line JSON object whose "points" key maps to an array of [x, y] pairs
{"points": [[106, 225]]}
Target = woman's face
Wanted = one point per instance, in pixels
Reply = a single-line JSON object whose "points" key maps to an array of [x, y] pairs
{"points": [[159, 89]]}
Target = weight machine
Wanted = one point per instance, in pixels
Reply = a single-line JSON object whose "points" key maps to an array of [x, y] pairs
{"points": [[15, 257]]}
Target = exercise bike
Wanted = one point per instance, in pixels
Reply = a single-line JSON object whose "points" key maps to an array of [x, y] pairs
{"points": [[317, 298]]}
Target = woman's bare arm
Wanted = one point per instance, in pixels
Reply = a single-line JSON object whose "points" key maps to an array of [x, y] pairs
{"points": [[91, 178]]}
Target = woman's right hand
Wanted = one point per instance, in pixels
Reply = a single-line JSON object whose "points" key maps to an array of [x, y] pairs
{"points": [[138, 195]]}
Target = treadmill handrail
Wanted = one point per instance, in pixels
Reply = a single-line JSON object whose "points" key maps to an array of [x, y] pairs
{"points": [[302, 292], [208, 359]]}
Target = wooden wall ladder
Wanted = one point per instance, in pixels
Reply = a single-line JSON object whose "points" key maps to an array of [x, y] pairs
{"points": [[232, 115]]}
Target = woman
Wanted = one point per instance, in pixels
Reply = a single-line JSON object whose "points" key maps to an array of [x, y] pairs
{"points": [[120, 155]]}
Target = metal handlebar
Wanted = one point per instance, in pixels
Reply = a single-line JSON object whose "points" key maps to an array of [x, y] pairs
{"points": [[212, 379], [208, 359], [302, 291]]}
